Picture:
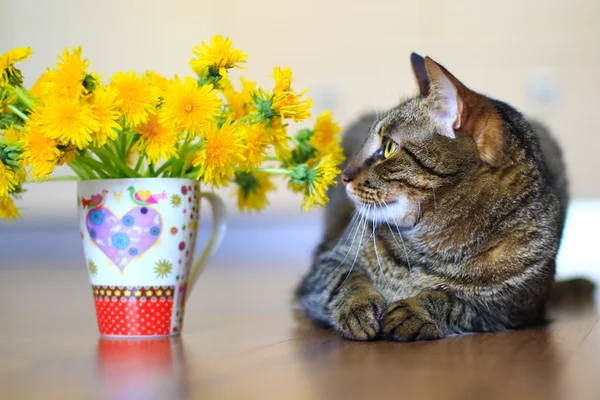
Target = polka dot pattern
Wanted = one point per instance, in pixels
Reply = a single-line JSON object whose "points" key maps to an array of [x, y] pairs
{"points": [[130, 317]]}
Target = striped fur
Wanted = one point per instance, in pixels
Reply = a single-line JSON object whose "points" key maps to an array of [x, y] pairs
{"points": [[443, 240]]}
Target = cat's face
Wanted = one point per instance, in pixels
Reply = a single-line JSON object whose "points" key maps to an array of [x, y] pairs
{"points": [[404, 163], [415, 153]]}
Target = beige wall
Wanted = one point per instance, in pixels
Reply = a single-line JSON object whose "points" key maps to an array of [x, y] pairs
{"points": [[542, 57]]}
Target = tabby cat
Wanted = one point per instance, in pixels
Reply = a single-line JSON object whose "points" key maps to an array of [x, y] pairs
{"points": [[459, 204]]}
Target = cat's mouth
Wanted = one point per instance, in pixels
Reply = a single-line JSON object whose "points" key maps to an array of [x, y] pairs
{"points": [[399, 211], [367, 197]]}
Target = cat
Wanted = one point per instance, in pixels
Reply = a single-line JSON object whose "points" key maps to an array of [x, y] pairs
{"points": [[459, 205]]}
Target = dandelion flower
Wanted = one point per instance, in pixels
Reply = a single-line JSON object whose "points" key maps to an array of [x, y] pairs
{"points": [[222, 151], [238, 102], [70, 74], [138, 97], [44, 86], [157, 140], [325, 137], [66, 120], [286, 102], [283, 80], [279, 139], [252, 190], [40, 153], [11, 134], [9, 179], [8, 73], [219, 55], [8, 210], [256, 142], [291, 106], [315, 180], [190, 107], [105, 110], [158, 81], [288, 105]]}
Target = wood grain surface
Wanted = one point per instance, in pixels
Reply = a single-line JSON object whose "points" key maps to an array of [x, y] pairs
{"points": [[242, 339]]}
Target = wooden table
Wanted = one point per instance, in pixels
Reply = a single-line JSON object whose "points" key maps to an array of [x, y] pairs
{"points": [[242, 340]]}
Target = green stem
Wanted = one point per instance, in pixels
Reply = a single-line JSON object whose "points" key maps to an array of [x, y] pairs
{"points": [[118, 163], [99, 168], [23, 97], [188, 161], [191, 175], [57, 179], [18, 113], [151, 173], [164, 167], [80, 171], [273, 170], [138, 165], [178, 164]]}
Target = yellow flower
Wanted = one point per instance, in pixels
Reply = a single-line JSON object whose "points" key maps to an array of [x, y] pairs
{"points": [[290, 106], [105, 110], [256, 142], [238, 102], [9, 179], [283, 80], [7, 98], [219, 55], [44, 85], [8, 210], [7, 61], [286, 102], [314, 181], [66, 120], [70, 74], [10, 134], [280, 139], [157, 140], [188, 106], [325, 137], [138, 98], [40, 153], [221, 153], [158, 81], [252, 190]]}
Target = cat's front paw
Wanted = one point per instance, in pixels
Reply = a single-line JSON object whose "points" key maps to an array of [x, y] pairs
{"points": [[358, 317], [406, 322]]}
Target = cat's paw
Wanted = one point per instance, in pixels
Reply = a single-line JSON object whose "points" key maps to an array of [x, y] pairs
{"points": [[358, 317], [406, 322]]}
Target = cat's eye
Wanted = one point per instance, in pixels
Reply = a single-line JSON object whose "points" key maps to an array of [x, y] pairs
{"points": [[389, 147]]}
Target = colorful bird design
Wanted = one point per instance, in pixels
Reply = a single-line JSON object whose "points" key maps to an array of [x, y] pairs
{"points": [[145, 197], [96, 201]]}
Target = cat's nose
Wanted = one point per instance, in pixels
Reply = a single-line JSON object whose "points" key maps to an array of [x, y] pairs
{"points": [[345, 179]]}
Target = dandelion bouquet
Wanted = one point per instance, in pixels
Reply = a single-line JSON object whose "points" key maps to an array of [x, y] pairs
{"points": [[147, 125]]}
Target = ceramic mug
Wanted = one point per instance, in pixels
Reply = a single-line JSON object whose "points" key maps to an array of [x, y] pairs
{"points": [[139, 237]]}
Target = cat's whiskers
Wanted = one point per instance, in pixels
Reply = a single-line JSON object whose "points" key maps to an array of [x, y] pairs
{"points": [[401, 238], [375, 244], [359, 245], [358, 224], [347, 233]]}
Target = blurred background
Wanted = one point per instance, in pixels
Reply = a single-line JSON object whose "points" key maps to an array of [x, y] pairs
{"points": [[542, 57]]}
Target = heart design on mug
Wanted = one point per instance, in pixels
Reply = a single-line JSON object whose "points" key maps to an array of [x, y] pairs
{"points": [[126, 238]]}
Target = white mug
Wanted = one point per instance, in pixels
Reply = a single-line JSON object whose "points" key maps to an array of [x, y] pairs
{"points": [[138, 238]]}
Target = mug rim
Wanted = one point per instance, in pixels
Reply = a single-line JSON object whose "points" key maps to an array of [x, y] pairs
{"points": [[136, 179]]}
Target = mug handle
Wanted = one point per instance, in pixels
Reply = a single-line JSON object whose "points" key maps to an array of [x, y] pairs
{"points": [[219, 227]]}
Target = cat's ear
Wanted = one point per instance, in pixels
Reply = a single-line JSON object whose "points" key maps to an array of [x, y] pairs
{"points": [[418, 66], [460, 110]]}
